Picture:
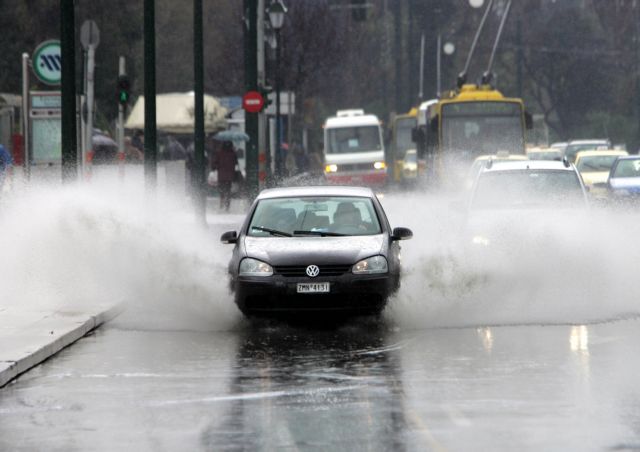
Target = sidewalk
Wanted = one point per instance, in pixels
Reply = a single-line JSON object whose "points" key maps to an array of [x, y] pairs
{"points": [[28, 336]]}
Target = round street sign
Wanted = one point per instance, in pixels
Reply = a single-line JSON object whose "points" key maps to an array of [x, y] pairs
{"points": [[89, 34], [47, 62], [252, 102]]}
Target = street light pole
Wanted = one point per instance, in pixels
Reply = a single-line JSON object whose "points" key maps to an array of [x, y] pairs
{"points": [[279, 163], [277, 11]]}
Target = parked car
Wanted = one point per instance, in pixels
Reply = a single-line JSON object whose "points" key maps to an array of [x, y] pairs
{"points": [[594, 166], [624, 178], [315, 249], [575, 146]]}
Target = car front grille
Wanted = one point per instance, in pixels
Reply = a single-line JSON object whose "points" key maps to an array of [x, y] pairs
{"points": [[301, 270]]}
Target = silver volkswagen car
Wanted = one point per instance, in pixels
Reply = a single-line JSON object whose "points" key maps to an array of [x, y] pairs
{"points": [[315, 249]]}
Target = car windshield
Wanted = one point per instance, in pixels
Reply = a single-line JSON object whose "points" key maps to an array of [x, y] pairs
{"points": [[572, 149], [551, 155], [627, 168], [314, 216], [346, 140], [473, 128], [527, 188], [596, 163]]}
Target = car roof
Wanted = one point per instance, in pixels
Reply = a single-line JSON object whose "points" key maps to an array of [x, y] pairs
{"points": [[516, 165], [543, 150], [324, 190], [594, 141], [498, 157], [594, 153], [629, 157]]}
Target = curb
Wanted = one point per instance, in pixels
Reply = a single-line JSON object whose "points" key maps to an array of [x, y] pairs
{"points": [[10, 369]]}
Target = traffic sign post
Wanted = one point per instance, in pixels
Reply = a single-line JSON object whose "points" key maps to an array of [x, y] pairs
{"points": [[47, 62], [90, 38], [252, 102]]}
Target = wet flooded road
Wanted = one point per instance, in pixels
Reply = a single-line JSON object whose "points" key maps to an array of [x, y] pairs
{"points": [[366, 385]]}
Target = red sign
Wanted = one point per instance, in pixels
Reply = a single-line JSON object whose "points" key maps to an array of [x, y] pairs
{"points": [[252, 102]]}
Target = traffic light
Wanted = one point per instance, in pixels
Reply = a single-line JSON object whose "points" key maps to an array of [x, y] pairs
{"points": [[123, 89], [265, 91]]}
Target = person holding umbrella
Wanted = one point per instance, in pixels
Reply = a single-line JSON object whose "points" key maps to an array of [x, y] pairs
{"points": [[224, 162]]}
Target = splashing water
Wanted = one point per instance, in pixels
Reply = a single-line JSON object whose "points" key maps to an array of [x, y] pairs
{"points": [[65, 247], [560, 271]]}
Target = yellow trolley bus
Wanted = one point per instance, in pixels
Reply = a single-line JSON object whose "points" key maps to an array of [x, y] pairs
{"points": [[465, 123], [401, 141]]}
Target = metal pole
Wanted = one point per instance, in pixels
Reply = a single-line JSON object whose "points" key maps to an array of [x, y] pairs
{"points": [[438, 67], [150, 151], [279, 162], [251, 76], [421, 93], [122, 70], [69, 137], [91, 63], [25, 115], [197, 177], [263, 155]]}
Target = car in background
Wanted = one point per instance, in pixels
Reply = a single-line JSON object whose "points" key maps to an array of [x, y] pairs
{"points": [[411, 167], [559, 145], [575, 146], [624, 178], [512, 202], [594, 166], [481, 161], [315, 249], [544, 153]]}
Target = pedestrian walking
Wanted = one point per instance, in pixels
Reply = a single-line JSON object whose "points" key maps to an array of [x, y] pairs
{"points": [[225, 161], [173, 149], [6, 163]]}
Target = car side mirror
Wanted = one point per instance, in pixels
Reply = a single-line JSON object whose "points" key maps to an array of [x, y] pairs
{"points": [[229, 237], [401, 234]]}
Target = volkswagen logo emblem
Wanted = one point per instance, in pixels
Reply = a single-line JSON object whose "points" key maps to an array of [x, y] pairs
{"points": [[313, 271]]}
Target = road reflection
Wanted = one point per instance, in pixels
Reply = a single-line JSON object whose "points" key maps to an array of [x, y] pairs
{"points": [[298, 388]]}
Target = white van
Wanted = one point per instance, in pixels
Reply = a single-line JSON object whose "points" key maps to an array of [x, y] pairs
{"points": [[354, 149]]}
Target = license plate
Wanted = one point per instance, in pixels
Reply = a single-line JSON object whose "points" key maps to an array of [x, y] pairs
{"points": [[322, 287]]}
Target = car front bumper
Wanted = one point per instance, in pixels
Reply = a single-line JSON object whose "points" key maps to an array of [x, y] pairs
{"points": [[348, 292]]}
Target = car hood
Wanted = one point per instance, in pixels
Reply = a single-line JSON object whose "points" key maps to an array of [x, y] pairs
{"points": [[625, 182], [595, 177], [313, 250], [507, 226]]}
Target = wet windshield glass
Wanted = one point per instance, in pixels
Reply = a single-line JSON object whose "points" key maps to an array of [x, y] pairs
{"points": [[474, 128], [596, 163], [354, 139], [528, 188], [305, 215], [627, 168]]}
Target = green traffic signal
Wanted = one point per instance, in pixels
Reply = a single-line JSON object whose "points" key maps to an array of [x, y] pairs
{"points": [[123, 89]]}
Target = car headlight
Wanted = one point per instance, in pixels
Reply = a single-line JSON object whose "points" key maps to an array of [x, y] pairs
{"points": [[333, 168], [371, 265], [379, 165], [254, 267], [480, 240]]}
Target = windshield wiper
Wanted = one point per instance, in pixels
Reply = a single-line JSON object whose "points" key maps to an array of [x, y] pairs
{"points": [[320, 233], [272, 231]]}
